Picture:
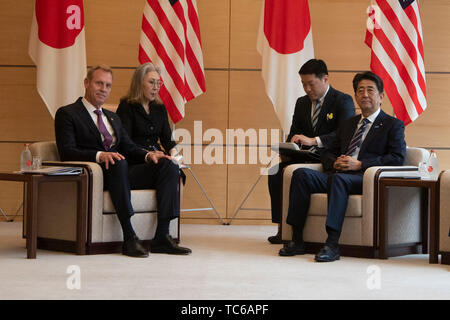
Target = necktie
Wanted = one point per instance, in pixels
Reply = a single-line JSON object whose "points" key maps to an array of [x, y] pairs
{"points": [[315, 116], [357, 138], [102, 128]]}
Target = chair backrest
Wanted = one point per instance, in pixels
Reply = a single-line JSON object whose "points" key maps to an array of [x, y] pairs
{"points": [[47, 150], [414, 156]]}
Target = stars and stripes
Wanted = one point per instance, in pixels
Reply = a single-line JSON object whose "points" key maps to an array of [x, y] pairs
{"points": [[394, 34], [171, 39]]}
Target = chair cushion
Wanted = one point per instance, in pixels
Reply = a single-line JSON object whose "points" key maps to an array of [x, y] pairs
{"points": [[318, 206], [142, 201]]}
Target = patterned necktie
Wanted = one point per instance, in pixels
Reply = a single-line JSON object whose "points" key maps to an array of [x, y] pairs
{"points": [[316, 112], [102, 128], [357, 138]]}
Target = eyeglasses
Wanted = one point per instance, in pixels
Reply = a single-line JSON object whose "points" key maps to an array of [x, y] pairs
{"points": [[156, 83]]}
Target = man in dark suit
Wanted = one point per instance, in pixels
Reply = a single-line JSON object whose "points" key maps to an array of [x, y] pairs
{"points": [[86, 132], [316, 117], [370, 139]]}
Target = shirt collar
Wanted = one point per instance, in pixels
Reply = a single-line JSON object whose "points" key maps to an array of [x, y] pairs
{"points": [[320, 100], [372, 117], [89, 106]]}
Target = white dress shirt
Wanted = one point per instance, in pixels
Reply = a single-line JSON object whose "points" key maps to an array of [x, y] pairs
{"points": [[371, 119]]}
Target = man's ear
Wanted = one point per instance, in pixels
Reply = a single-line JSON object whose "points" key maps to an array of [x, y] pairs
{"points": [[86, 83]]}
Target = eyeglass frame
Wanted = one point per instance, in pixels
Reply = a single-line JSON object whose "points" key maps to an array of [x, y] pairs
{"points": [[156, 84]]}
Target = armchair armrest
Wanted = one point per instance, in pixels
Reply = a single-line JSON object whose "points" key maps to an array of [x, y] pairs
{"points": [[95, 193], [370, 195]]}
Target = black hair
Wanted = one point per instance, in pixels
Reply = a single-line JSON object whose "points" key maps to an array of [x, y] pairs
{"points": [[368, 75], [314, 66]]}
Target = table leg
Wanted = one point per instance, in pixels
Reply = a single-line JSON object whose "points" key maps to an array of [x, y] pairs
{"points": [[81, 216], [32, 203], [434, 230], [425, 213], [383, 227]]}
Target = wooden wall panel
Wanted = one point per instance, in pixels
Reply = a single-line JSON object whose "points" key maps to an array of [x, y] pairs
{"points": [[339, 28], [23, 115], [241, 178], [212, 177], [443, 159], [432, 128], [249, 105], [214, 19], [113, 31], [15, 23], [211, 108], [10, 192], [245, 15], [436, 27]]}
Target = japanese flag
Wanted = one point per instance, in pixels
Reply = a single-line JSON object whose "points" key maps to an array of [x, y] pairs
{"points": [[57, 47], [285, 44]]}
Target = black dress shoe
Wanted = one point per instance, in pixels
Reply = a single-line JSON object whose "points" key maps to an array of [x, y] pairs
{"points": [[292, 249], [276, 239], [134, 248], [166, 244], [327, 254]]}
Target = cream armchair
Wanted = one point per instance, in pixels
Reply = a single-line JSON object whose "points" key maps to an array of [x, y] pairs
{"points": [[57, 224], [359, 235], [444, 217]]}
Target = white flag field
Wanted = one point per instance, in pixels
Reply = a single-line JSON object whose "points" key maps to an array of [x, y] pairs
{"points": [[57, 47], [285, 43]]}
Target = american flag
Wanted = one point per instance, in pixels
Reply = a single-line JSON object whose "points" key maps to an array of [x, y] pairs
{"points": [[170, 39], [394, 34]]}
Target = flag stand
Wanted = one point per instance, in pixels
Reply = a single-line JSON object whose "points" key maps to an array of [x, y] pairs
{"points": [[248, 195], [213, 208], [6, 217]]}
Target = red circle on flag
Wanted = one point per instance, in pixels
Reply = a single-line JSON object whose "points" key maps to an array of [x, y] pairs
{"points": [[286, 24], [59, 22]]}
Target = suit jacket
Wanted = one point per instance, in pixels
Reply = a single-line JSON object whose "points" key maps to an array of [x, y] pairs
{"points": [[145, 129], [384, 144], [78, 138], [336, 108]]}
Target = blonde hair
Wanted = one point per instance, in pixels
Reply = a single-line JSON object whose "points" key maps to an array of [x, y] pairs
{"points": [[136, 93], [103, 67]]}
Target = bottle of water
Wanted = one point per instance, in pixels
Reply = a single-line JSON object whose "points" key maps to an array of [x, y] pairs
{"points": [[433, 166], [25, 158]]}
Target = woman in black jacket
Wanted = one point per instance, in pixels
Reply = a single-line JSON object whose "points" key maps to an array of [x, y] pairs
{"points": [[143, 114], [144, 117]]}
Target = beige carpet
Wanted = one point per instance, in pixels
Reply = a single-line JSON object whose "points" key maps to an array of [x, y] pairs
{"points": [[228, 262]]}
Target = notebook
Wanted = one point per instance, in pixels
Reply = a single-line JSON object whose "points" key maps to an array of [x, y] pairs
{"points": [[56, 171]]}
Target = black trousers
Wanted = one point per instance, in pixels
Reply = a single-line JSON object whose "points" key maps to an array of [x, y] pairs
{"points": [[164, 176], [275, 182], [338, 187]]}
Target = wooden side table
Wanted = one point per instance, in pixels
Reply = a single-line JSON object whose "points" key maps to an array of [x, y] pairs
{"points": [[33, 182], [430, 229]]}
